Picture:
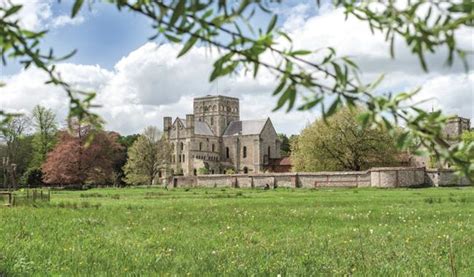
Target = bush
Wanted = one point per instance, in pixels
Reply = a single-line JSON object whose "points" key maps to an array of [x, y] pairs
{"points": [[33, 178], [230, 171], [203, 171]]}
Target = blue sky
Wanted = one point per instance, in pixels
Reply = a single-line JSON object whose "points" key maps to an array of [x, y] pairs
{"points": [[106, 34], [139, 82]]}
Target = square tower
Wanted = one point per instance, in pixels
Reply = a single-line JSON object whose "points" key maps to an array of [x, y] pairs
{"points": [[454, 128], [217, 111]]}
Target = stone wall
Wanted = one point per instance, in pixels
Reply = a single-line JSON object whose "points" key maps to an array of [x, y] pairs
{"points": [[397, 176], [388, 177], [444, 177]]}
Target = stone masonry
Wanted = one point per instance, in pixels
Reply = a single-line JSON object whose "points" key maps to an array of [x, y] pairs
{"points": [[215, 138]]}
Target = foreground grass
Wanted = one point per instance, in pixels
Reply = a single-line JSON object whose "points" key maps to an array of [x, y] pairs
{"points": [[213, 232]]}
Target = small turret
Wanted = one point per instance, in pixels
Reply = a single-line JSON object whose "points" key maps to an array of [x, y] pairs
{"points": [[167, 123]]}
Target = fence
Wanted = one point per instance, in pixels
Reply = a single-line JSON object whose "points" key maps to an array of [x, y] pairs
{"points": [[8, 196], [25, 196]]}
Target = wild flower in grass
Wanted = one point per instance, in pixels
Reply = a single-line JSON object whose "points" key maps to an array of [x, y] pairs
{"points": [[214, 252], [164, 229], [371, 231]]}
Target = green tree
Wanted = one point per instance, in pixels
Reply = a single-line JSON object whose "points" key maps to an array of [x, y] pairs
{"points": [[316, 77], [17, 152], [126, 142], [44, 138], [467, 141], [340, 144], [285, 149], [149, 154]]}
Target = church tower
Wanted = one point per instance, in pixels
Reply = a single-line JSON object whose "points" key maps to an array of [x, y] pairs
{"points": [[217, 111]]}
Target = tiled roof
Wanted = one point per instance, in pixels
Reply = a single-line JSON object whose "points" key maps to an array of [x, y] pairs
{"points": [[201, 128], [245, 127]]}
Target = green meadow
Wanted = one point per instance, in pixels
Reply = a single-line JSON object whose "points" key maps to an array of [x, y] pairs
{"points": [[287, 232]]}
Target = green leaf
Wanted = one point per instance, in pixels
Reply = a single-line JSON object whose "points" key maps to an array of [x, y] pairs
{"points": [[12, 10], [178, 11], [272, 23], [300, 53], [402, 140], [188, 45], [77, 6], [364, 118], [333, 108], [280, 86], [172, 38]]}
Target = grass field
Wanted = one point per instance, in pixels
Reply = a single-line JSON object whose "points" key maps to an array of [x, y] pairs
{"points": [[141, 231]]}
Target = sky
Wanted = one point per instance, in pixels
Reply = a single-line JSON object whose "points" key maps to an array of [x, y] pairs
{"points": [[139, 81]]}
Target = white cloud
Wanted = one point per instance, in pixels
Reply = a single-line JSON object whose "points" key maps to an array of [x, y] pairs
{"points": [[33, 14], [37, 15], [452, 93], [64, 20], [150, 82]]}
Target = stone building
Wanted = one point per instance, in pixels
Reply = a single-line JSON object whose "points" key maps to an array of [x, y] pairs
{"points": [[454, 128], [452, 132], [215, 138]]}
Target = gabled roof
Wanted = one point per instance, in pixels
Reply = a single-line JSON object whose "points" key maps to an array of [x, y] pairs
{"points": [[201, 128], [245, 127], [183, 121]]}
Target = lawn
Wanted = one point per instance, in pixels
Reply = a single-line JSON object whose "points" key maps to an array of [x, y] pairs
{"points": [[149, 231]]}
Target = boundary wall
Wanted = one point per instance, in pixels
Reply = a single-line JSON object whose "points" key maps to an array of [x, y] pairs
{"points": [[384, 177]]}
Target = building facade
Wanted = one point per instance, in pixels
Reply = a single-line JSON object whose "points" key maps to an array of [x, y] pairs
{"points": [[213, 139]]}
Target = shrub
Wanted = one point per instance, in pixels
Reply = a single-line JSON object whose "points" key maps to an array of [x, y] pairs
{"points": [[203, 171], [230, 171]]}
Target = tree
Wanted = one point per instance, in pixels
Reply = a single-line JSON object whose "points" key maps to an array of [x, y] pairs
{"points": [[149, 154], [44, 138], [317, 77], [17, 151], [84, 156], [340, 144], [126, 142], [467, 140], [285, 149]]}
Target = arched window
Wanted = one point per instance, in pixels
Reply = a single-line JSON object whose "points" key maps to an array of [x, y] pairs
{"points": [[179, 158], [213, 148], [184, 157], [200, 146], [269, 152], [195, 172], [227, 154], [181, 146], [212, 120], [246, 170], [244, 152]]}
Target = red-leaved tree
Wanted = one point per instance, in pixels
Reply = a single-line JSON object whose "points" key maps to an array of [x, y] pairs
{"points": [[80, 159]]}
